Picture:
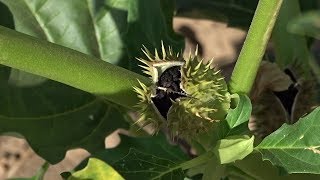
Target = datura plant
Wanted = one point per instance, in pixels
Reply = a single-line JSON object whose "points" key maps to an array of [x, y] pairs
{"points": [[187, 96]]}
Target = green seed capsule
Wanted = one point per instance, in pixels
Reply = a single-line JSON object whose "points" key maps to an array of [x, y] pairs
{"points": [[187, 96]]}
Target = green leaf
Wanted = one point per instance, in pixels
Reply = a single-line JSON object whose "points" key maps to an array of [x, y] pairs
{"points": [[149, 23], [6, 18], [51, 136], [111, 30], [241, 113], [4, 74], [51, 116], [213, 170], [309, 5], [295, 148], [96, 169], [54, 117], [291, 48], [91, 27], [233, 148], [306, 24], [254, 166], [145, 158], [234, 123], [140, 165]]}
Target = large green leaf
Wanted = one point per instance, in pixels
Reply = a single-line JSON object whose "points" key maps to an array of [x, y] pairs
{"points": [[113, 30], [6, 18], [96, 169], [51, 116], [306, 24], [4, 74], [233, 148], [145, 158], [253, 166], [291, 49], [140, 165], [236, 120], [241, 113], [150, 22], [92, 27], [51, 136], [309, 5], [54, 117], [296, 148]]}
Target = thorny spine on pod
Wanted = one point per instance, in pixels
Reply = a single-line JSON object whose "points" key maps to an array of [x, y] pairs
{"points": [[187, 95]]}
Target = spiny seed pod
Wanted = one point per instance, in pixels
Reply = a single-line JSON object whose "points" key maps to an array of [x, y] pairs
{"points": [[280, 97], [187, 96]]}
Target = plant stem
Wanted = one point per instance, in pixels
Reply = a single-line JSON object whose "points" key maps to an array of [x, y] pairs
{"points": [[70, 67], [254, 46], [42, 171], [203, 158]]}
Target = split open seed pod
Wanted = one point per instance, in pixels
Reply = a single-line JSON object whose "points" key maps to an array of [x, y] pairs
{"points": [[187, 96]]}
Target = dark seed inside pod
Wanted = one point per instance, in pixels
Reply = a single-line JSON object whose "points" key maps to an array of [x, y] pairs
{"points": [[168, 88], [288, 97]]}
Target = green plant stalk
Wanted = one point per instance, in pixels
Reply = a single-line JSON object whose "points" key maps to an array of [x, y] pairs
{"points": [[70, 67], [238, 173], [203, 158], [247, 65], [42, 171]]}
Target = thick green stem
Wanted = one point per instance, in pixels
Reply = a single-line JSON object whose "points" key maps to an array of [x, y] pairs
{"points": [[70, 67], [254, 46], [203, 158]]}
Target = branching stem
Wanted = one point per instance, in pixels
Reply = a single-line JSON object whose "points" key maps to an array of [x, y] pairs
{"points": [[70, 67], [254, 46]]}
